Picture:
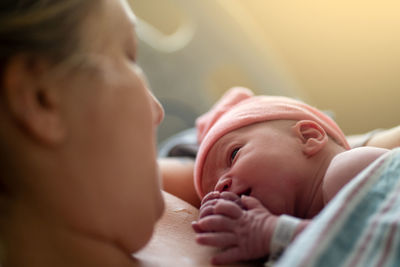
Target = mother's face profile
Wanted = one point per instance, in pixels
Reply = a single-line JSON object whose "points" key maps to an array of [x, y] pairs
{"points": [[78, 149]]}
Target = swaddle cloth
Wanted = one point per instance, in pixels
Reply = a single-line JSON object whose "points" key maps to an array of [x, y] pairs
{"points": [[359, 227]]}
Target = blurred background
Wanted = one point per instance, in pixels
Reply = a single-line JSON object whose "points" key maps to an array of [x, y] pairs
{"points": [[342, 56]]}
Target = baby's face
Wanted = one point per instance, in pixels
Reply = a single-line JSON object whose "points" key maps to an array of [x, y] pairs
{"points": [[263, 160]]}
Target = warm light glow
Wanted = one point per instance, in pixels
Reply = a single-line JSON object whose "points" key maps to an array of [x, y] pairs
{"points": [[341, 55]]}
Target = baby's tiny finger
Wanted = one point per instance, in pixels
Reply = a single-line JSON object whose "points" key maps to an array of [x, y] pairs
{"points": [[196, 227], [228, 208], [219, 240], [250, 203], [210, 202], [216, 223], [229, 196], [232, 197], [209, 196], [206, 211]]}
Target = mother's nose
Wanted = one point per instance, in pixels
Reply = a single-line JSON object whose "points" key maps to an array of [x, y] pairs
{"points": [[223, 184]]}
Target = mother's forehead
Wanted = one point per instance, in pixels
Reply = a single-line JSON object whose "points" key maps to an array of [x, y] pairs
{"points": [[110, 22]]}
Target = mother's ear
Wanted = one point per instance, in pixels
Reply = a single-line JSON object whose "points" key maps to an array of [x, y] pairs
{"points": [[312, 136], [30, 100]]}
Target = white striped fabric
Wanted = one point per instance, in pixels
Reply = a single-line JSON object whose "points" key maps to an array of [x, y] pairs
{"points": [[359, 227]]}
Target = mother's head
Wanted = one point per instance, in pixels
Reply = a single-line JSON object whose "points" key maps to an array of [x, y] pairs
{"points": [[78, 122]]}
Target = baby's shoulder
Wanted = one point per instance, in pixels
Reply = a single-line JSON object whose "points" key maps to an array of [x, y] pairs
{"points": [[345, 166], [357, 158]]}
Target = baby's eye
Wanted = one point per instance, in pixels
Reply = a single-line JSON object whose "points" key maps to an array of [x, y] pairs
{"points": [[233, 154]]}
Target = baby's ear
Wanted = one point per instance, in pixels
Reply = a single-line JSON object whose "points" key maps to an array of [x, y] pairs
{"points": [[312, 136]]}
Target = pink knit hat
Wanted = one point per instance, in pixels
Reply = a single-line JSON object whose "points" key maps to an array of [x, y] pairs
{"points": [[239, 107]]}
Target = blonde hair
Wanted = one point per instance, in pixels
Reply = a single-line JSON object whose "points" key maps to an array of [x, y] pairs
{"points": [[47, 28]]}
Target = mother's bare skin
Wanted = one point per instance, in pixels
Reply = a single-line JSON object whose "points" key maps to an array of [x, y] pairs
{"points": [[173, 242]]}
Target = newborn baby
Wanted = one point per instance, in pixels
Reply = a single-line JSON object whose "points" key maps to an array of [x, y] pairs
{"points": [[269, 164]]}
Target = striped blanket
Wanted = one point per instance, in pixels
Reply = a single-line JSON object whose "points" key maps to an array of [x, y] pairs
{"points": [[359, 227]]}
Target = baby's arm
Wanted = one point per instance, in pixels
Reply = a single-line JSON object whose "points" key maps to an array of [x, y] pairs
{"points": [[345, 166]]}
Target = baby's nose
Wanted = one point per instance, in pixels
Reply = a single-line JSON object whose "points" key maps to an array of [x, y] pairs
{"points": [[223, 184]]}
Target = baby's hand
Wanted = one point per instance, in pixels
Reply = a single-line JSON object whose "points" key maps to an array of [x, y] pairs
{"points": [[243, 227], [209, 201]]}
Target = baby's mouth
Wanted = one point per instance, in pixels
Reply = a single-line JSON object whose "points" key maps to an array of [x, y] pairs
{"points": [[238, 201], [246, 192]]}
